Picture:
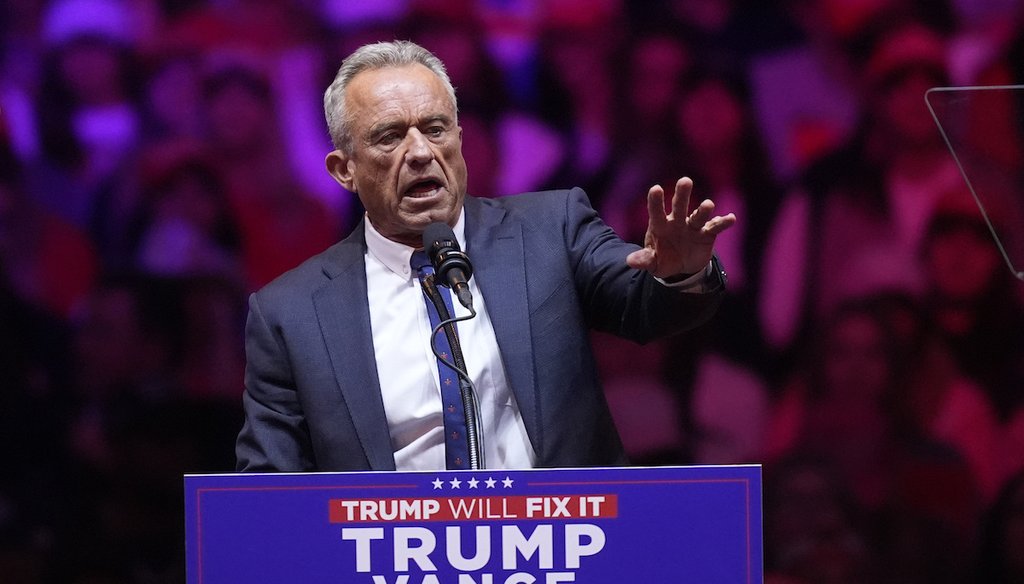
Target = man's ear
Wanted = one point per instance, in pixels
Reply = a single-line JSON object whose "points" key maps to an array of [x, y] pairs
{"points": [[340, 166]]}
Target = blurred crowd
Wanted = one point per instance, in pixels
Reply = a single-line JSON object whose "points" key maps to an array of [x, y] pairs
{"points": [[159, 159]]}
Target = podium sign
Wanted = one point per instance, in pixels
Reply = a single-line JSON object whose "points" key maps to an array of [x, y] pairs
{"points": [[663, 524]]}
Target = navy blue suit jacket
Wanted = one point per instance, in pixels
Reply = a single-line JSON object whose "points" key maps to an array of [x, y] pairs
{"points": [[548, 268]]}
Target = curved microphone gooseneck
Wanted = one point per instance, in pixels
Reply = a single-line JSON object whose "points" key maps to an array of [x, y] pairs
{"points": [[467, 390]]}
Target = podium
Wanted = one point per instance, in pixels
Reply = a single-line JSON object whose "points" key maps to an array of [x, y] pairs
{"points": [[601, 525]]}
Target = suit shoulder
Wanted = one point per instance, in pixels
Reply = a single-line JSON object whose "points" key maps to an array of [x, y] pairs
{"points": [[541, 206], [307, 277]]}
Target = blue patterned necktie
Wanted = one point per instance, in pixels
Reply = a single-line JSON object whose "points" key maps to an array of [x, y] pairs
{"points": [[455, 445]]}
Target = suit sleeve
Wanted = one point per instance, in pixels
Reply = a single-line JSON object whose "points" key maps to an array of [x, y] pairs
{"points": [[618, 299], [275, 436]]}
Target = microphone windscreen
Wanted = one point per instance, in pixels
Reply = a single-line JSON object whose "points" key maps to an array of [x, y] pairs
{"points": [[434, 234], [451, 265]]}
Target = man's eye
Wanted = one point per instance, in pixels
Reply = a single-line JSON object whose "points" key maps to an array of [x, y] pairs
{"points": [[435, 130], [389, 138]]}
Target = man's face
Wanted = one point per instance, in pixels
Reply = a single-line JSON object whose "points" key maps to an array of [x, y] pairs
{"points": [[406, 163]]}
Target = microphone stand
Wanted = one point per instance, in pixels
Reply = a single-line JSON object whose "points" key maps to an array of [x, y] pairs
{"points": [[466, 389]]}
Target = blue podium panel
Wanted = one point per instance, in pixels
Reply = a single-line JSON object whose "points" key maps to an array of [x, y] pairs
{"points": [[614, 525]]}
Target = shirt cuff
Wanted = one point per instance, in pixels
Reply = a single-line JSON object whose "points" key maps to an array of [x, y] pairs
{"points": [[697, 283]]}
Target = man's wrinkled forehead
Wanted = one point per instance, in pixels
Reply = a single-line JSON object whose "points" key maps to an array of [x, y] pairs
{"points": [[374, 93], [380, 82]]}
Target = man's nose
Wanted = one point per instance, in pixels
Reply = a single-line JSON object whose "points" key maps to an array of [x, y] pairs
{"points": [[419, 151]]}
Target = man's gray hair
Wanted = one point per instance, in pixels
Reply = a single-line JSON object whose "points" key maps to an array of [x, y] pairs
{"points": [[369, 57]]}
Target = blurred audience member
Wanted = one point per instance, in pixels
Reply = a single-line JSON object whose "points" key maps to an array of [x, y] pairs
{"points": [[836, 405], [646, 131], [721, 146], [185, 225], [578, 68], [974, 301], [280, 223], [173, 97], [89, 119]]}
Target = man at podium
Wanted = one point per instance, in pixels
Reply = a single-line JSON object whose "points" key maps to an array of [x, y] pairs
{"points": [[340, 372]]}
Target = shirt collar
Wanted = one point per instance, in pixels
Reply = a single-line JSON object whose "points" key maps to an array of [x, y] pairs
{"points": [[395, 256]]}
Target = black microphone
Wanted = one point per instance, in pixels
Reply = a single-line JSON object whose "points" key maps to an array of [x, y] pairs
{"points": [[451, 264]]}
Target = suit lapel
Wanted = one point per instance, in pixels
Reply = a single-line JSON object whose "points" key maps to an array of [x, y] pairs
{"points": [[344, 317], [500, 269]]}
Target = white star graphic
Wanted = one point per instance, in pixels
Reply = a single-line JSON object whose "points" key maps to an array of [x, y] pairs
{"points": [[507, 482], [472, 483], [455, 483], [437, 483], [490, 482]]}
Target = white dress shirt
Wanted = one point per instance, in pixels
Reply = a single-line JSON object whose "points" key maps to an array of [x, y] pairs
{"points": [[407, 368]]}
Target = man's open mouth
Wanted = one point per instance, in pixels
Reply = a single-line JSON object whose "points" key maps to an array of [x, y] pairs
{"points": [[423, 188]]}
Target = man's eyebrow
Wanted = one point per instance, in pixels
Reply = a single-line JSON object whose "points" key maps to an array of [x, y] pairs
{"points": [[384, 128], [443, 118]]}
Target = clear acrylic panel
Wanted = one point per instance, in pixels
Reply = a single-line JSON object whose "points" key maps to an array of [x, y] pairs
{"points": [[984, 129]]}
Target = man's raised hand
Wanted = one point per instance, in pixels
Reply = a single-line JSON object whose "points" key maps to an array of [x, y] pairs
{"points": [[678, 243]]}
